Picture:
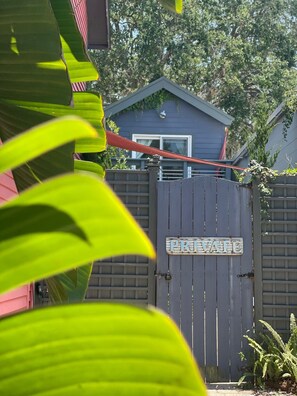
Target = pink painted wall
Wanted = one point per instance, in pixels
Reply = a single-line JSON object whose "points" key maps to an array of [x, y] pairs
{"points": [[21, 298], [16, 300], [80, 12], [7, 187]]}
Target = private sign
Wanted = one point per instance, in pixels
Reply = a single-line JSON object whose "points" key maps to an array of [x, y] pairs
{"points": [[204, 246]]}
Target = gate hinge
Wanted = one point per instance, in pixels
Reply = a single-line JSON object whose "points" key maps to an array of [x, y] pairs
{"points": [[167, 275], [246, 275]]}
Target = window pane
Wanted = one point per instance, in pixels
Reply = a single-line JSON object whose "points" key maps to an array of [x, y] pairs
{"points": [[147, 142], [178, 146]]}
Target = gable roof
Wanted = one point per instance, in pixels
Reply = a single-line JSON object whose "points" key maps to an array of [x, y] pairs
{"points": [[181, 93]]}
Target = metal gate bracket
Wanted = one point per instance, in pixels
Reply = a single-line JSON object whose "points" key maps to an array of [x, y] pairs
{"points": [[246, 275], [166, 275]]}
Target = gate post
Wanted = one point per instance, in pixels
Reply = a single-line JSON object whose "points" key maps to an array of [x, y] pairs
{"points": [[257, 252], [153, 170]]}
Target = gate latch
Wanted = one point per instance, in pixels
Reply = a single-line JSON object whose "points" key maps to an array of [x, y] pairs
{"points": [[246, 275], [166, 275]]}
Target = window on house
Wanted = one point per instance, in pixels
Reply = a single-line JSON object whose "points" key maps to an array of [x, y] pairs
{"points": [[178, 144]]}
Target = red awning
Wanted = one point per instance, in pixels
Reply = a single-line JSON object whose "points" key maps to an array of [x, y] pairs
{"points": [[120, 142]]}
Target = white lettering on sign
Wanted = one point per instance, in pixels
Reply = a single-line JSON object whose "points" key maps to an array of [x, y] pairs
{"points": [[204, 246]]}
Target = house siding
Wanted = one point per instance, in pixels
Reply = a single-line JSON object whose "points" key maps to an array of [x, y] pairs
{"points": [[80, 12], [7, 187], [181, 119], [287, 157], [21, 298]]}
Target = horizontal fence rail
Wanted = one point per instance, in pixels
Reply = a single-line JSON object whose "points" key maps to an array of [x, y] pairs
{"points": [[177, 169]]}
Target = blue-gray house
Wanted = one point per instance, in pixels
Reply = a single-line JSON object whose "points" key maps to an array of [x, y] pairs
{"points": [[167, 116]]}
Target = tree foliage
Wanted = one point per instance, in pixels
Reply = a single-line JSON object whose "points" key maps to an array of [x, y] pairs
{"points": [[233, 53]]}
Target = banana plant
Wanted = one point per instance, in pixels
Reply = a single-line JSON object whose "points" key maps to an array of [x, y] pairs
{"points": [[83, 349], [42, 54]]}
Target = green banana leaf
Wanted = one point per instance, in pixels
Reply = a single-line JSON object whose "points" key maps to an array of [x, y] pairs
{"points": [[15, 117], [70, 286], [88, 145], [173, 5], [90, 167], [85, 104], [79, 66], [62, 224], [41, 139], [95, 349], [31, 66], [35, 79]]}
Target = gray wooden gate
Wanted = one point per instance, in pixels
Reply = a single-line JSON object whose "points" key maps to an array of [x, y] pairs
{"points": [[207, 296]]}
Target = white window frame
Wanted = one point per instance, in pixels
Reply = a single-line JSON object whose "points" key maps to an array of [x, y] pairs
{"points": [[160, 137]]}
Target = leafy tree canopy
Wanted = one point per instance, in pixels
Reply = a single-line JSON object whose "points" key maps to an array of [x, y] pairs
{"points": [[237, 54]]}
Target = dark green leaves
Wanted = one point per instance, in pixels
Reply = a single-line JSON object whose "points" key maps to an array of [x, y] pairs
{"points": [[31, 66]]}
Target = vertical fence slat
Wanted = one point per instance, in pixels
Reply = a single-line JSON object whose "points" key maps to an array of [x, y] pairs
{"points": [[257, 252], [162, 258], [235, 295], [211, 283], [153, 170], [175, 261], [246, 264], [223, 285], [198, 274], [186, 263]]}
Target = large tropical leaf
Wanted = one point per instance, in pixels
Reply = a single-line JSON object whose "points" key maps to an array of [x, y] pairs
{"points": [[70, 286], [94, 349], [41, 139], [16, 116], [85, 104], [89, 167], [62, 224], [31, 66], [78, 63]]}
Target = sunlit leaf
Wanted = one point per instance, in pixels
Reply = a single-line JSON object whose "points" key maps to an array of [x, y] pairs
{"points": [[89, 146], [62, 224], [87, 166], [95, 349], [31, 65], [78, 63], [41, 139], [85, 105], [15, 117]]}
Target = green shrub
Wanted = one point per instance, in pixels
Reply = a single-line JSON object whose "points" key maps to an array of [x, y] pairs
{"points": [[274, 362]]}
